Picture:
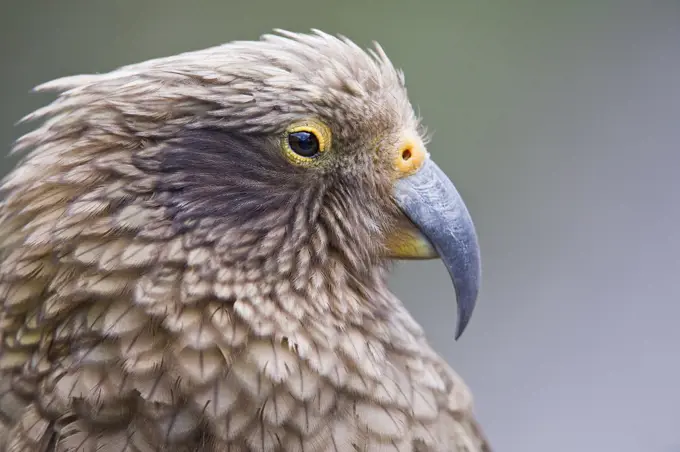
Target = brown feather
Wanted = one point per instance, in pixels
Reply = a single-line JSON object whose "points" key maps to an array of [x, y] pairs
{"points": [[170, 283]]}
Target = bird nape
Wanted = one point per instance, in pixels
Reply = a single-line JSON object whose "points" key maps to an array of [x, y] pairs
{"points": [[194, 257]]}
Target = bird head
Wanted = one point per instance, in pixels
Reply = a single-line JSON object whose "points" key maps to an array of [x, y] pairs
{"points": [[290, 165]]}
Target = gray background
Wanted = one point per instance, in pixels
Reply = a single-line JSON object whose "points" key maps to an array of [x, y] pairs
{"points": [[558, 121]]}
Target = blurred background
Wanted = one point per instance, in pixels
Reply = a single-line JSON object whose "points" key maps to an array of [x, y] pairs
{"points": [[560, 124]]}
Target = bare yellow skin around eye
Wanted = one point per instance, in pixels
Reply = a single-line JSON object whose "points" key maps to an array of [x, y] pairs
{"points": [[313, 126]]}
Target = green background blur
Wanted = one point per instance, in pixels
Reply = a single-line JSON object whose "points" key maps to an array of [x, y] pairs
{"points": [[557, 121]]}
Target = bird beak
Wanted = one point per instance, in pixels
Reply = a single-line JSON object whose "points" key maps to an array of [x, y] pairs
{"points": [[440, 226]]}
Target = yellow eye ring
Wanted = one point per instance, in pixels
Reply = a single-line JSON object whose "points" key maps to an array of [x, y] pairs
{"points": [[304, 142]]}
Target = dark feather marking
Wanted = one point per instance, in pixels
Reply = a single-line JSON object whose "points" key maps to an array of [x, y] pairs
{"points": [[232, 177]]}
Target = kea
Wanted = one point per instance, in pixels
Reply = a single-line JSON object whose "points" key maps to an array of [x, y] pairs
{"points": [[195, 253]]}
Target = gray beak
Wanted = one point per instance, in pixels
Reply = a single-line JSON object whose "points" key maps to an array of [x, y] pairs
{"points": [[430, 200]]}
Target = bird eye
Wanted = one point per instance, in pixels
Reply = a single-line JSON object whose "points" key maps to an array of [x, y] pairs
{"points": [[305, 141]]}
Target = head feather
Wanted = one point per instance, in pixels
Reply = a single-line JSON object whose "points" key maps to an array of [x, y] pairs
{"points": [[250, 85], [184, 148]]}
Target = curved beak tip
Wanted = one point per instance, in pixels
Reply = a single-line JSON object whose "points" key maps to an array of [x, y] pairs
{"points": [[466, 305], [466, 279]]}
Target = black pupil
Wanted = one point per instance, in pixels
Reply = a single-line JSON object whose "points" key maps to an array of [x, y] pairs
{"points": [[304, 143]]}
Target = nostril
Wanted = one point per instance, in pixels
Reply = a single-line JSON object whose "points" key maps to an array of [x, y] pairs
{"points": [[406, 154]]}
